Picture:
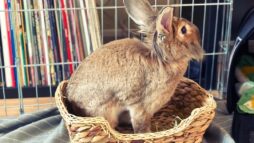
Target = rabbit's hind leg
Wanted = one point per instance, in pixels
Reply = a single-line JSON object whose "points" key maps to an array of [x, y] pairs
{"points": [[141, 119]]}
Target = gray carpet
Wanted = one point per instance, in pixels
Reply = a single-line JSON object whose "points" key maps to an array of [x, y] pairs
{"points": [[222, 118]]}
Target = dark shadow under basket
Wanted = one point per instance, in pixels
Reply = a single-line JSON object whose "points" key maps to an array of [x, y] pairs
{"points": [[183, 120]]}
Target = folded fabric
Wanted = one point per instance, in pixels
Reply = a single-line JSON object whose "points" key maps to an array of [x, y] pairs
{"points": [[45, 126], [245, 87], [246, 102]]}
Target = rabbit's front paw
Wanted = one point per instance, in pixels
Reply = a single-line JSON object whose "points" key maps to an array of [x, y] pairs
{"points": [[141, 121]]}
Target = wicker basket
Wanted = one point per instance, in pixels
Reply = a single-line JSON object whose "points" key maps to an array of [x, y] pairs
{"points": [[183, 120]]}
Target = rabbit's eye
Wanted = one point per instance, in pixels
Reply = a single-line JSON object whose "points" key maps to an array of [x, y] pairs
{"points": [[184, 30]]}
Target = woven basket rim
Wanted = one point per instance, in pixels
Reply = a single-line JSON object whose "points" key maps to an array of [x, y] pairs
{"points": [[209, 106]]}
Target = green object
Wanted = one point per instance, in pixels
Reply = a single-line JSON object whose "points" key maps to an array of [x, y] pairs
{"points": [[246, 102], [245, 60], [246, 64], [23, 59]]}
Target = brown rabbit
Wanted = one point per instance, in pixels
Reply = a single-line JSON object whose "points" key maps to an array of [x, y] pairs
{"points": [[130, 75]]}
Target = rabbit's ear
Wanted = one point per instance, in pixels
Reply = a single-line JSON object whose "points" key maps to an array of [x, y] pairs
{"points": [[164, 20], [140, 11]]}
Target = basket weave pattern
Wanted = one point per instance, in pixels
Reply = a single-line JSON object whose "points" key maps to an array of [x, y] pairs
{"points": [[183, 120]]}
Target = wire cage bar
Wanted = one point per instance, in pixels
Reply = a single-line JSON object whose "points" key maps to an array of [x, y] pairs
{"points": [[213, 17]]}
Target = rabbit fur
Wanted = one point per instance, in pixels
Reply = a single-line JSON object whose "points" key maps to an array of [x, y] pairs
{"points": [[134, 76]]}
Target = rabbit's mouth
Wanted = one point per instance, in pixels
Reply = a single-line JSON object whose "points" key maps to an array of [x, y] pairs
{"points": [[197, 51]]}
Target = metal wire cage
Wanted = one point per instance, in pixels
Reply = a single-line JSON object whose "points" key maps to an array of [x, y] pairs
{"points": [[213, 18]]}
